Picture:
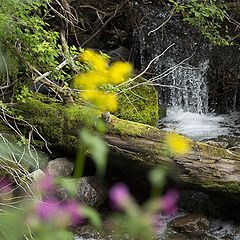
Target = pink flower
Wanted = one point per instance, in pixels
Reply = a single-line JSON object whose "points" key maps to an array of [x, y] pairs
{"points": [[52, 209], [119, 194], [72, 208], [46, 183], [48, 209], [5, 185], [169, 201]]}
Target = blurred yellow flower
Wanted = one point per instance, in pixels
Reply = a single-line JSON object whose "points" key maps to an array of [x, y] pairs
{"points": [[111, 102], [99, 74], [95, 60], [89, 80], [104, 101], [177, 144], [120, 72]]}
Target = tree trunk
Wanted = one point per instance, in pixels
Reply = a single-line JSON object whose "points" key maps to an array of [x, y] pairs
{"points": [[205, 167]]}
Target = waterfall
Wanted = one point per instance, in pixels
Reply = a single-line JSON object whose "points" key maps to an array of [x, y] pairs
{"points": [[187, 87]]}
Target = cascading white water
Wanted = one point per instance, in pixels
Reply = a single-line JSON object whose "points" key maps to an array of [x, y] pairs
{"points": [[187, 103], [195, 125], [189, 88]]}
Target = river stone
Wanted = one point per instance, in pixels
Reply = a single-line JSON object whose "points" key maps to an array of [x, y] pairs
{"points": [[37, 174], [60, 167], [90, 191], [191, 223]]}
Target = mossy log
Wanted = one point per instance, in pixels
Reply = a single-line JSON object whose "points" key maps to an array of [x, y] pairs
{"points": [[205, 167]]}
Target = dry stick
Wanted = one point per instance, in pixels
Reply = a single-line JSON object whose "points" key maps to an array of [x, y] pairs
{"points": [[4, 117], [162, 75], [171, 69], [148, 66], [64, 42], [66, 92], [60, 15], [101, 28], [230, 19], [46, 74], [152, 31], [93, 8]]}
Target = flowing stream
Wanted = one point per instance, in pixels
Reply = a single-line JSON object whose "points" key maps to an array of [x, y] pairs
{"points": [[201, 126]]}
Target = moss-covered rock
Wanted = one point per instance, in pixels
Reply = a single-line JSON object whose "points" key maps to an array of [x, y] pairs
{"points": [[59, 123], [139, 103]]}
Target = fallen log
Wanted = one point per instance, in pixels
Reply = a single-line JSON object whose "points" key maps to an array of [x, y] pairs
{"points": [[205, 167]]}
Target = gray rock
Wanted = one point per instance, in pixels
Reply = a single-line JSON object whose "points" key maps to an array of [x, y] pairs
{"points": [[37, 174], [90, 191], [119, 54], [191, 223], [60, 167]]}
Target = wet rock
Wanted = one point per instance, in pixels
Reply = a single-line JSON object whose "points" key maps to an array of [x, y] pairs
{"points": [[90, 191], [60, 167], [199, 202], [191, 223], [224, 230], [162, 111], [207, 76], [37, 174], [177, 236], [119, 54]]}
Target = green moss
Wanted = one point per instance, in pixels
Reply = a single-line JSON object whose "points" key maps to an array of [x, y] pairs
{"points": [[79, 115], [48, 117], [125, 127], [139, 104], [215, 152], [59, 124], [227, 187]]}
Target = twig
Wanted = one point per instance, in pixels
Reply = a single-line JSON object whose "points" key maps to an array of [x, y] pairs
{"points": [[93, 8], [101, 28], [46, 74], [154, 30], [148, 66]]}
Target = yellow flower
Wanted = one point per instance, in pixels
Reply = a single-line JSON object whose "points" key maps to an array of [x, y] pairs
{"points": [[99, 74], [105, 102], [111, 102], [89, 95], [177, 144], [119, 72], [95, 60], [89, 80]]}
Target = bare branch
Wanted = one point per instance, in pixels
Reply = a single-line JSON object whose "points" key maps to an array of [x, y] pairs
{"points": [[101, 28], [148, 66], [169, 17]]}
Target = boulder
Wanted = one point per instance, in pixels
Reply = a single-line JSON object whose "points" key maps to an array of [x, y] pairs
{"points": [[90, 191], [62, 167]]}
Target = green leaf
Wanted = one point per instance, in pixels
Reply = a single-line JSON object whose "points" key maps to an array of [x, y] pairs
{"points": [[69, 184], [157, 177], [11, 225], [92, 215], [97, 148]]}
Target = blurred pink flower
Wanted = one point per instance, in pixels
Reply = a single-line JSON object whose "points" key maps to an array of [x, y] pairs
{"points": [[119, 194], [5, 185], [48, 209], [52, 209], [46, 182], [72, 208], [169, 201]]}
